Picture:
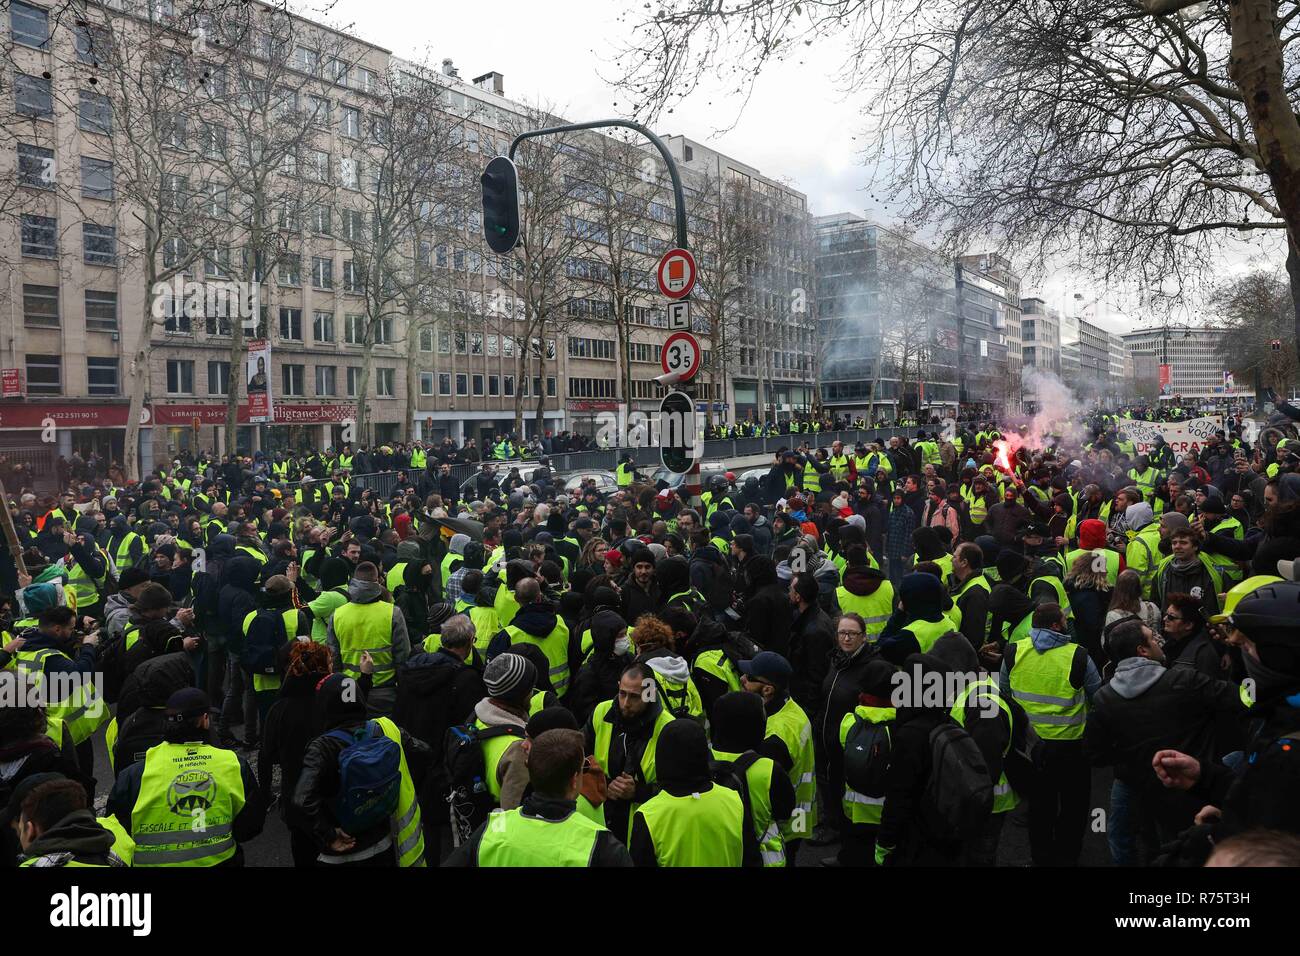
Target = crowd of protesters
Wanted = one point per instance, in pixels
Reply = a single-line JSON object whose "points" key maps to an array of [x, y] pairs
{"points": [[514, 673]]}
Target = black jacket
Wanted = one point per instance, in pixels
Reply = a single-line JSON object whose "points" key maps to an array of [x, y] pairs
{"points": [[812, 639], [1177, 712], [291, 724], [768, 615], [318, 785], [637, 600], [20, 761], [840, 690], [608, 851], [902, 824]]}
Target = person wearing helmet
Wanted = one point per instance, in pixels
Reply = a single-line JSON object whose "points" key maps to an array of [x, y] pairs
{"points": [[718, 495], [1263, 789]]}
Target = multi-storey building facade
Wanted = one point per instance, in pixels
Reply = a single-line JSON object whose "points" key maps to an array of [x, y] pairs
{"points": [[1195, 359], [1040, 328], [988, 309], [76, 271], [887, 321]]}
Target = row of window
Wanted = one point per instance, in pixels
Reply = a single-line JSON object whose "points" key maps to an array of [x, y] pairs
{"points": [[41, 308], [180, 379], [36, 168], [45, 375], [497, 386], [34, 97], [40, 240]]}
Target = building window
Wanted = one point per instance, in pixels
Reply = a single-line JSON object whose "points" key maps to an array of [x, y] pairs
{"points": [[320, 220], [462, 383], [354, 329], [493, 345], [351, 278], [35, 166], [350, 122], [354, 224], [96, 178], [322, 326], [318, 165], [100, 244], [101, 376], [291, 378], [33, 96], [426, 383], [384, 382], [291, 271], [325, 380], [384, 331], [177, 321], [306, 59], [101, 311], [322, 272], [31, 25], [444, 383], [44, 375], [426, 339], [461, 341], [494, 385], [291, 324], [590, 388], [180, 377], [349, 173], [476, 343], [217, 325], [478, 385], [40, 236], [94, 112], [216, 262], [509, 382], [218, 378], [550, 387], [444, 341], [354, 380], [41, 306]]}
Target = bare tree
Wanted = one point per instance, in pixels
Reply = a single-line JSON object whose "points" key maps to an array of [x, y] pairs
{"points": [[1256, 311], [548, 264], [145, 69], [728, 240], [615, 223], [410, 165], [1136, 136], [271, 111]]}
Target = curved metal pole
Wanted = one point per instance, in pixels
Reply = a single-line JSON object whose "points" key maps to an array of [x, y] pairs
{"points": [[679, 197]]}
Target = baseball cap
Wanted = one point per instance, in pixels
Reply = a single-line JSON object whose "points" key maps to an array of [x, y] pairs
{"points": [[769, 666]]}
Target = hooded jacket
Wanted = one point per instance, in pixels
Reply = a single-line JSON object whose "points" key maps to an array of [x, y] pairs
{"points": [[78, 836], [1146, 707], [768, 615], [238, 597], [597, 678]]}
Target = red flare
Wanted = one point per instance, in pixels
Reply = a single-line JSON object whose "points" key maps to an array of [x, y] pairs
{"points": [[1003, 459]]}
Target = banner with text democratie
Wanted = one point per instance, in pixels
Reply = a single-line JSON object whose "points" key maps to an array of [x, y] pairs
{"points": [[1181, 437], [258, 381]]}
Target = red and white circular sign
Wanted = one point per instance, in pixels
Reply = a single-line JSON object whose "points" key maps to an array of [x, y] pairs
{"points": [[676, 273], [681, 355]]}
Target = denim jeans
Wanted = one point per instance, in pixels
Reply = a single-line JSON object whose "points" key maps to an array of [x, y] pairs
{"points": [[1122, 826]]}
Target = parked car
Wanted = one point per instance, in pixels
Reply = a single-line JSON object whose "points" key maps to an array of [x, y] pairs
{"points": [[606, 482], [468, 486], [674, 481]]}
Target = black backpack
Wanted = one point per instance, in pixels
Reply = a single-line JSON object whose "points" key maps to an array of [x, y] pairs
{"points": [[465, 776], [958, 797], [868, 748], [731, 774]]}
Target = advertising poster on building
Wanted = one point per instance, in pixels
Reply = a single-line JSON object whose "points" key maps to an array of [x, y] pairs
{"points": [[1181, 436], [1166, 379], [258, 381]]}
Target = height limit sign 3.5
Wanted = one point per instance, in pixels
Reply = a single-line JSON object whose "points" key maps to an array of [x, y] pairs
{"points": [[681, 356]]}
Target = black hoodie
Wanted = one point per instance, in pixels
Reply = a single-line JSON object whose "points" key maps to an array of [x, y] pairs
{"points": [[597, 680], [238, 598], [768, 614]]}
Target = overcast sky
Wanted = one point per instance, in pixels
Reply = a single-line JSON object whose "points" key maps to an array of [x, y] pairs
{"points": [[798, 126]]}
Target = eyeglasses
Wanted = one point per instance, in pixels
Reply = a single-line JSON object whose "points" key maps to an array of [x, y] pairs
{"points": [[848, 633], [1170, 617]]}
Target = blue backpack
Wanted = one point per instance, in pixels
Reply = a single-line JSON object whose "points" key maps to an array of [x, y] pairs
{"points": [[370, 777]]}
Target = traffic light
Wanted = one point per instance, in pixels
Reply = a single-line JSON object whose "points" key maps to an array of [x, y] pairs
{"points": [[501, 205]]}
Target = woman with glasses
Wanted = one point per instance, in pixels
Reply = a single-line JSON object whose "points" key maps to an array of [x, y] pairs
{"points": [[1187, 644], [840, 691]]}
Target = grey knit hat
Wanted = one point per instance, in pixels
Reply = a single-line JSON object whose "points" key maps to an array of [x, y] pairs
{"points": [[506, 673]]}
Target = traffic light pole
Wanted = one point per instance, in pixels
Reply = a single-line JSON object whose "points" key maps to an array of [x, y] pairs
{"points": [[692, 482]]}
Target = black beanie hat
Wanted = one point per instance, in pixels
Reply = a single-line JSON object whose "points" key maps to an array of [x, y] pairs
{"points": [[682, 756], [739, 722]]}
